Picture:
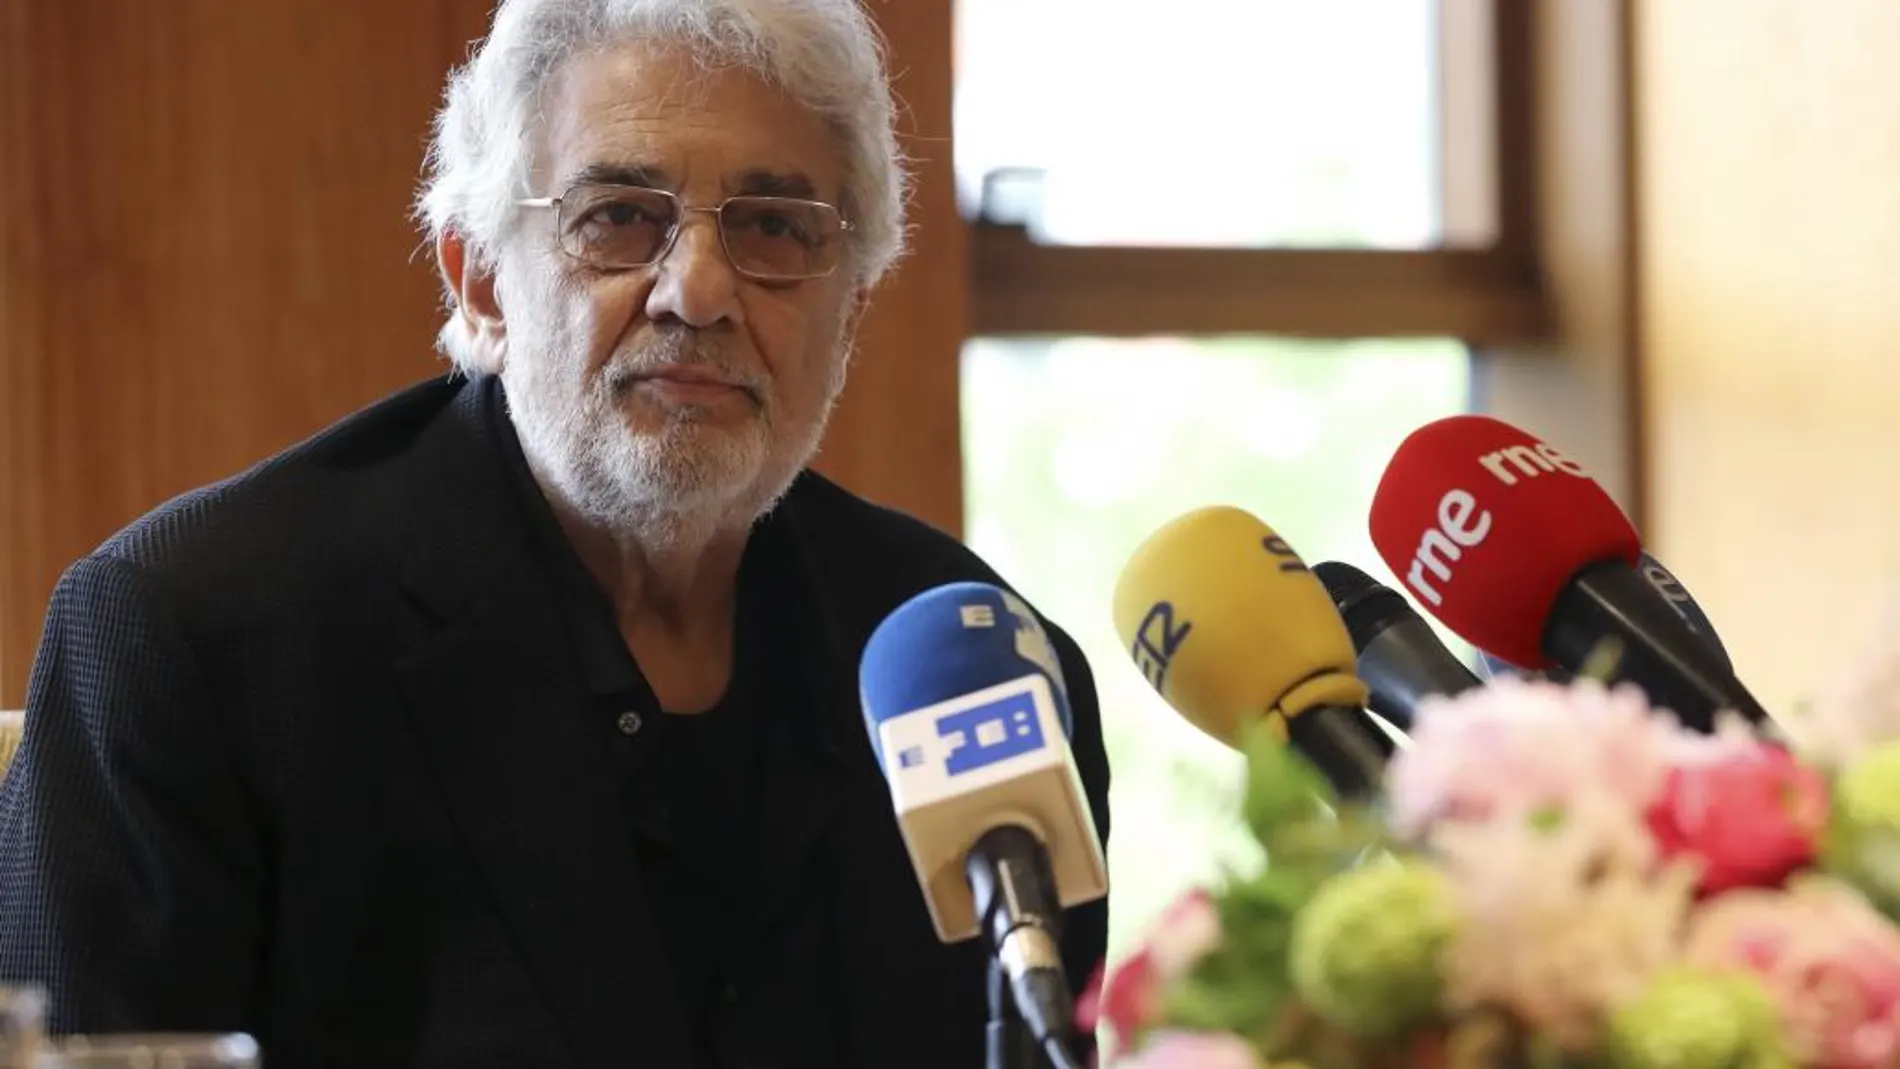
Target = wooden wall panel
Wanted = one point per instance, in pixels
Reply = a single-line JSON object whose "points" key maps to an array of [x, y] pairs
{"points": [[1769, 177], [205, 255], [897, 436], [204, 250], [1576, 389]]}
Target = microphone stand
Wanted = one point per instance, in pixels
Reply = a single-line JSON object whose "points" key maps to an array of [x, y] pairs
{"points": [[1013, 890], [1008, 1043]]}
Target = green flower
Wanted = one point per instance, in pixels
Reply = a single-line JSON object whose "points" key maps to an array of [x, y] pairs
{"points": [[1241, 986], [1364, 952], [1686, 1019], [1284, 791], [1862, 844]]}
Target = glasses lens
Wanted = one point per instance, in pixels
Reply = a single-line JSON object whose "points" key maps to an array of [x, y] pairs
{"points": [[616, 226], [771, 237]]}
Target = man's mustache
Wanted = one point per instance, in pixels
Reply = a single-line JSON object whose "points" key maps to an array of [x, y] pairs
{"points": [[684, 348]]}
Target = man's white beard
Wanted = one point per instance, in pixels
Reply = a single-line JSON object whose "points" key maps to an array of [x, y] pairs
{"points": [[666, 487]]}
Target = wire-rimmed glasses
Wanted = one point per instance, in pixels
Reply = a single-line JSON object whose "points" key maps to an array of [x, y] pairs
{"points": [[768, 239]]}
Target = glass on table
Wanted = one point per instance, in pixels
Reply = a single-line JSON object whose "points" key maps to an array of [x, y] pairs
{"points": [[155, 1051], [22, 1026]]}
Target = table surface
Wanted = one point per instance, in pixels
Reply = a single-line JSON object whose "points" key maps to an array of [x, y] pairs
{"points": [[12, 723]]}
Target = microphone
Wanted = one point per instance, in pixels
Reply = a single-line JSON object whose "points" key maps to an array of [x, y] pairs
{"points": [[969, 717], [1400, 658], [1229, 625], [1673, 592], [1516, 549]]}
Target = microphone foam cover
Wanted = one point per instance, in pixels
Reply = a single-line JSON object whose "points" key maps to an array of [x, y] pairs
{"points": [[1485, 525], [1229, 625], [949, 641]]}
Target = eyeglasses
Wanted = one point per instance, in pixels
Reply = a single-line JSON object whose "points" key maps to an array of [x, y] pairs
{"points": [[769, 239]]}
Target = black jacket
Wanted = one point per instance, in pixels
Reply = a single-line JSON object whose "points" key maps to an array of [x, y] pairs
{"points": [[296, 765]]}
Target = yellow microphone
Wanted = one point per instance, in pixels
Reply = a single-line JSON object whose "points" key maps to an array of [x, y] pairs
{"points": [[1229, 626]]}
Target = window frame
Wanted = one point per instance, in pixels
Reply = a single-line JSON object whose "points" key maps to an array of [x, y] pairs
{"points": [[1483, 284]]}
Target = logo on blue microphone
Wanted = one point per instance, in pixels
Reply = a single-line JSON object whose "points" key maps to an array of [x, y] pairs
{"points": [[989, 733]]}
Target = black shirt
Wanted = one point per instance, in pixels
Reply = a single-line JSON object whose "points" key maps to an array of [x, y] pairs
{"points": [[689, 781]]}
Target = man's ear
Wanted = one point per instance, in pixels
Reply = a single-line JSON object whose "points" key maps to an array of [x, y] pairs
{"points": [[477, 311]]}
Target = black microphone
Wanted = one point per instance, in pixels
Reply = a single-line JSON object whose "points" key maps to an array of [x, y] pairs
{"points": [[1674, 594], [1400, 656]]}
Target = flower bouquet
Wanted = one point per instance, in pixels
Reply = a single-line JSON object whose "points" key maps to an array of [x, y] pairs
{"points": [[1554, 876]]}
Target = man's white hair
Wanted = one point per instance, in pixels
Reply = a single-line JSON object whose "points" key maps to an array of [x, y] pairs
{"points": [[826, 54]]}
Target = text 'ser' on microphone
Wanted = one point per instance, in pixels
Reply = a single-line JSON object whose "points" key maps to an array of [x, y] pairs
{"points": [[1516, 549], [1400, 657], [969, 715], [1229, 626]]}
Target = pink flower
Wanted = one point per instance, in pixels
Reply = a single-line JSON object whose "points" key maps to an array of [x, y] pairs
{"points": [[1191, 1050], [1751, 815], [1187, 931], [1514, 747], [1827, 959], [1128, 997], [1088, 1004]]}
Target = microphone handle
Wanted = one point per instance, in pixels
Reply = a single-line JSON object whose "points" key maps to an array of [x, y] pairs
{"points": [[1404, 664], [1658, 652], [1345, 744], [1020, 917], [1685, 607]]}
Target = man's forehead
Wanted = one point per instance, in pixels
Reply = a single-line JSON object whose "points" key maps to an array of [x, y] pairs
{"points": [[755, 181], [643, 116]]}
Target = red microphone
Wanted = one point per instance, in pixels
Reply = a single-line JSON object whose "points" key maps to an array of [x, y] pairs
{"points": [[1521, 553]]}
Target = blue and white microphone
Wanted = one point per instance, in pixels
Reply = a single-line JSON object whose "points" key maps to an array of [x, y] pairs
{"points": [[968, 713]]}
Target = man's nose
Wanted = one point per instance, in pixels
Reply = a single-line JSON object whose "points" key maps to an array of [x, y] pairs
{"points": [[695, 282]]}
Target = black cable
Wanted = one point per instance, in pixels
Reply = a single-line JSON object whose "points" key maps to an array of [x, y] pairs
{"points": [[1059, 1054], [1041, 995]]}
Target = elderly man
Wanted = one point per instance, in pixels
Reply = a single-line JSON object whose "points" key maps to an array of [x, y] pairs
{"points": [[513, 721]]}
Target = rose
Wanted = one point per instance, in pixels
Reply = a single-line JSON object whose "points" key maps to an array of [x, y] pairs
{"points": [[1191, 1050], [1129, 996], [1749, 814], [1827, 960]]}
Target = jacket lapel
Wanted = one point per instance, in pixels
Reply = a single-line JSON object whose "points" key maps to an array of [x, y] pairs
{"points": [[830, 818], [807, 754], [497, 706]]}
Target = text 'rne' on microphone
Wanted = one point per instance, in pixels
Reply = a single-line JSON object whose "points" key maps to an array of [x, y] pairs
{"points": [[1515, 548]]}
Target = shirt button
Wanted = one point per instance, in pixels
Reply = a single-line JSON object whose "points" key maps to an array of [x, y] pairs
{"points": [[629, 723]]}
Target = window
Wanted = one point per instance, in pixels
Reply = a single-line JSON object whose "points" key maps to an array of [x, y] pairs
{"points": [[1347, 168], [1256, 123], [1223, 251], [1077, 449]]}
